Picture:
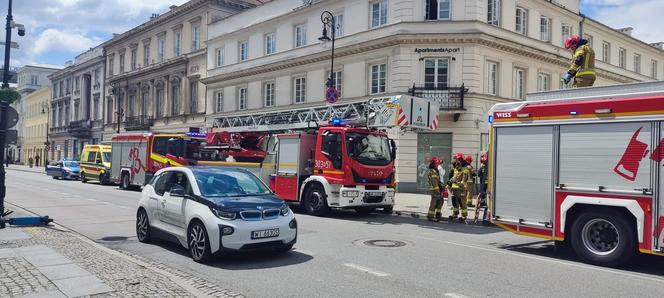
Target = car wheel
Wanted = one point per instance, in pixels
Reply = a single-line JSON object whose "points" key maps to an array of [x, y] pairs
{"points": [[103, 179], [316, 201], [83, 179], [199, 243], [63, 176], [124, 181], [142, 226], [364, 211], [603, 237], [55, 177], [284, 249]]}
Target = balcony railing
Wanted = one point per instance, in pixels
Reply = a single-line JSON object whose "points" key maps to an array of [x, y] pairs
{"points": [[79, 128], [142, 122], [449, 97]]}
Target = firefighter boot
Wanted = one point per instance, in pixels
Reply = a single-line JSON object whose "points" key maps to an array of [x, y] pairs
{"points": [[464, 210], [432, 208]]}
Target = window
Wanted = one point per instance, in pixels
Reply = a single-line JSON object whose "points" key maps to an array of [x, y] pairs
{"points": [[177, 43], [545, 28], [300, 89], [131, 104], [436, 73], [77, 83], [606, 52], [133, 59], [95, 107], [589, 38], [339, 23], [244, 50], [521, 21], [220, 57], [493, 12], [378, 13], [160, 181], [492, 78], [122, 63], [543, 82], [622, 58], [195, 37], [378, 78], [159, 102], [337, 81], [438, 9], [193, 99], [219, 102], [653, 69], [34, 80], [331, 148], [242, 98], [92, 156], [566, 31], [146, 55], [110, 66], [160, 145], [268, 94], [270, 44], [300, 36], [161, 45], [97, 74], [68, 87], [109, 111], [519, 83], [175, 99], [637, 63]]}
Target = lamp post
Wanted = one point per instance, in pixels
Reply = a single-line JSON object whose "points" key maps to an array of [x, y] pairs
{"points": [[327, 18], [47, 146]]}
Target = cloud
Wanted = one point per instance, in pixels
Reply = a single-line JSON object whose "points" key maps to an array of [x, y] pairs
{"points": [[54, 40], [645, 16]]}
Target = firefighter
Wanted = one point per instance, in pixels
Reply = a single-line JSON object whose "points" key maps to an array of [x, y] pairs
{"points": [[470, 183], [457, 185], [436, 203], [483, 175], [582, 69]]}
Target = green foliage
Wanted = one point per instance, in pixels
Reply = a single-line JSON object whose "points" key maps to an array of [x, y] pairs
{"points": [[9, 95]]}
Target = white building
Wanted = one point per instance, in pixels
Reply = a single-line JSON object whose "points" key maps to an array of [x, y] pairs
{"points": [[269, 58]]}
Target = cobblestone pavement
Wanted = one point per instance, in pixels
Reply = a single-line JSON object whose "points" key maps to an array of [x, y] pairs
{"points": [[126, 274]]}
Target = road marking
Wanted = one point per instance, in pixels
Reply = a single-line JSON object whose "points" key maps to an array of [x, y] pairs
{"points": [[367, 270], [566, 263], [91, 200], [455, 295]]}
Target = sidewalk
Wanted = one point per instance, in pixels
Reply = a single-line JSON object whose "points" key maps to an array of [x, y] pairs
{"points": [[25, 168], [55, 262], [417, 205]]}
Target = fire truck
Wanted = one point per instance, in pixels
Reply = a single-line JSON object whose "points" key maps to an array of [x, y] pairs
{"points": [[333, 156], [583, 167]]}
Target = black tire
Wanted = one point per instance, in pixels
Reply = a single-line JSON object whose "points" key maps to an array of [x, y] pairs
{"points": [[142, 226], [83, 178], [364, 210], [124, 181], [315, 201], [197, 236], [55, 177], [103, 179], [603, 237], [62, 176], [284, 249]]}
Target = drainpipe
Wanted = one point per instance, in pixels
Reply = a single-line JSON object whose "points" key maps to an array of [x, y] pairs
{"points": [[583, 19]]}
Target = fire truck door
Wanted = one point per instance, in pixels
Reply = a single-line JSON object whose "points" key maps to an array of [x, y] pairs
{"points": [[286, 179], [658, 158]]}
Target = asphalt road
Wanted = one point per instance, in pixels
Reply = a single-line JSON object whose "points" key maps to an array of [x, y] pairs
{"points": [[331, 258]]}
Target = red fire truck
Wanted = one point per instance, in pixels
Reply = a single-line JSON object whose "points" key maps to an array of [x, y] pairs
{"points": [[582, 167]]}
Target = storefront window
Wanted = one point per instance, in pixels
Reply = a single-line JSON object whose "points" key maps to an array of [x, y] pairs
{"points": [[428, 145]]}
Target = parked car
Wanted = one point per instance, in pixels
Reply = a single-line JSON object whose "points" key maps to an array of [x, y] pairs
{"points": [[211, 210], [64, 169], [96, 163]]}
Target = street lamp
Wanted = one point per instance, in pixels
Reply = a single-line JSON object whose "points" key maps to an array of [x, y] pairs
{"points": [[46, 110], [327, 18]]}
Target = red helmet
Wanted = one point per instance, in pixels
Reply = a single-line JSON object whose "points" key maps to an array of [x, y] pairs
{"points": [[457, 156], [469, 159], [571, 41], [435, 160], [483, 158]]}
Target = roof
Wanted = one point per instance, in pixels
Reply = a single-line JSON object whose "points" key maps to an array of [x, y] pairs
{"points": [[44, 65]]}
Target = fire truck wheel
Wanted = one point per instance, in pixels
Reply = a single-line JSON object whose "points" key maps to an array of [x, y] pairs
{"points": [[124, 181], [603, 237], [142, 226], [316, 200]]}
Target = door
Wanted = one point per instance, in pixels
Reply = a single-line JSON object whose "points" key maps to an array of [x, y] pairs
{"points": [[156, 196], [286, 180], [172, 206]]}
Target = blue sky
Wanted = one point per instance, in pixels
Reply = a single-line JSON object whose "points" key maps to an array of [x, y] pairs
{"points": [[58, 30]]}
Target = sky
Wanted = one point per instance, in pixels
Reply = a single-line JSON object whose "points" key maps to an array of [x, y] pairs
{"points": [[58, 30]]}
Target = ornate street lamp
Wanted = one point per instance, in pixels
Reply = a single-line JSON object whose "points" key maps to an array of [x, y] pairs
{"points": [[47, 146], [327, 18]]}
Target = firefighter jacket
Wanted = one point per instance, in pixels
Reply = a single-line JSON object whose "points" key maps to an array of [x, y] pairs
{"points": [[583, 62], [434, 181], [460, 178], [471, 174]]}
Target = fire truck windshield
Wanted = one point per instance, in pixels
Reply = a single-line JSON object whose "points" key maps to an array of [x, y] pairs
{"points": [[369, 149]]}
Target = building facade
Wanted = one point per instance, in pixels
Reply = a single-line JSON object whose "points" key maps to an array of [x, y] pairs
{"points": [[29, 79], [468, 55], [154, 70], [35, 126], [76, 106]]}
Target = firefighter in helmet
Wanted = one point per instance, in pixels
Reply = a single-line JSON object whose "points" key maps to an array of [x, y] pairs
{"points": [[435, 187], [470, 183], [582, 69], [457, 185]]}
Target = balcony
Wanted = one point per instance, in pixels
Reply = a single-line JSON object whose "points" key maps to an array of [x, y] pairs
{"points": [[142, 122], [449, 97], [79, 128]]}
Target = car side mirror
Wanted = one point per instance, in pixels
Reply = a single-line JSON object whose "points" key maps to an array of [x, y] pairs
{"points": [[177, 190]]}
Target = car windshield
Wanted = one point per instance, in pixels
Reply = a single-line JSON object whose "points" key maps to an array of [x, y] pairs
{"points": [[70, 164], [107, 156], [229, 184], [369, 149]]}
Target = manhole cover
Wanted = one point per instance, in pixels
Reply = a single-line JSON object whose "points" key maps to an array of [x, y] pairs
{"points": [[384, 243]]}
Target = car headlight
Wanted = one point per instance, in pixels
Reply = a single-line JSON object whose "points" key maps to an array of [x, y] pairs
{"points": [[225, 215], [285, 210], [350, 193]]}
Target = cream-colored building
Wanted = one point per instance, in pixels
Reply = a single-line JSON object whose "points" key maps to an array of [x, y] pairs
{"points": [[35, 124], [269, 58], [153, 71]]}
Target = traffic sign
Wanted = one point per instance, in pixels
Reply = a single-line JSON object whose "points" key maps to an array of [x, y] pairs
{"points": [[332, 95], [12, 117]]}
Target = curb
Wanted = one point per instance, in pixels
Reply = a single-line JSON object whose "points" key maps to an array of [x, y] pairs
{"points": [[423, 216], [27, 171], [189, 286]]}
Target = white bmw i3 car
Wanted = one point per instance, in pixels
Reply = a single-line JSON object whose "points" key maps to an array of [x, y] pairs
{"points": [[210, 210]]}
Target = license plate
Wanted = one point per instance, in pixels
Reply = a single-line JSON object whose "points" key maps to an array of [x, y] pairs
{"points": [[265, 234]]}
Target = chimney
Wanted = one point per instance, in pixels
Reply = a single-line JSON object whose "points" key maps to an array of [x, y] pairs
{"points": [[626, 31], [659, 45], [154, 16]]}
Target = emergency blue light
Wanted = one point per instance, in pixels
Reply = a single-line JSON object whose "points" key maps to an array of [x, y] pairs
{"points": [[573, 113], [337, 121], [196, 135], [490, 119], [364, 180]]}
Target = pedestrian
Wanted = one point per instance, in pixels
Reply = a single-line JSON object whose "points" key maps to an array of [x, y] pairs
{"points": [[30, 162], [37, 160], [457, 185], [582, 69], [435, 187], [470, 184]]}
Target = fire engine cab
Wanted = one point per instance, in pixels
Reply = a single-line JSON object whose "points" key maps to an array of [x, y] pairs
{"points": [[583, 167]]}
